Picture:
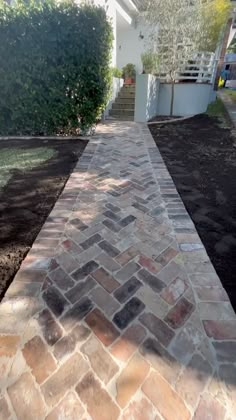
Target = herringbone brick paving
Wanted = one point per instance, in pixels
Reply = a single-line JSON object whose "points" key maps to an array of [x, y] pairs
{"points": [[117, 312]]}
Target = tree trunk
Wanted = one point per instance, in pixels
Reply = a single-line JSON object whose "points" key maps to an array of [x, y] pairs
{"points": [[172, 97], [222, 53]]}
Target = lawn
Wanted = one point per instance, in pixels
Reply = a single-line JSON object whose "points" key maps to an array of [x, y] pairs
{"points": [[217, 109], [32, 175], [13, 158], [231, 94], [201, 157]]}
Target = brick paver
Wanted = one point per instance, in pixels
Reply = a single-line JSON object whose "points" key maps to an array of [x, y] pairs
{"points": [[117, 312]]}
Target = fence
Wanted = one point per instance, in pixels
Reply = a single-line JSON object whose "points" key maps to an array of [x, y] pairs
{"points": [[200, 69]]}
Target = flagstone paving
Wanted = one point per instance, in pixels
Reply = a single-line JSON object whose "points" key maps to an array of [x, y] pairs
{"points": [[117, 312]]}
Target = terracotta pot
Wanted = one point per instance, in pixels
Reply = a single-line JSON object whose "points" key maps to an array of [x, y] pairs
{"points": [[129, 81]]}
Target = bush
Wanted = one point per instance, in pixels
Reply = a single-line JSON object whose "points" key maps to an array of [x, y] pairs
{"points": [[150, 62], [129, 71], [54, 66], [116, 72]]}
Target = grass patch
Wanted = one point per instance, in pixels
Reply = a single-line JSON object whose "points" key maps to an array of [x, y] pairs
{"points": [[231, 94], [22, 159], [217, 109]]}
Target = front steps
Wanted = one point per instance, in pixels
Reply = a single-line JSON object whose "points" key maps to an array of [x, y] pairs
{"points": [[123, 107]]}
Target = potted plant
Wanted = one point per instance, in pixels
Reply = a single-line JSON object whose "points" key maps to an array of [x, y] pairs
{"points": [[129, 74]]}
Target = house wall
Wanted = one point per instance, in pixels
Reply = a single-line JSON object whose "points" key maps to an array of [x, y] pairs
{"points": [[130, 46], [190, 98], [146, 97]]}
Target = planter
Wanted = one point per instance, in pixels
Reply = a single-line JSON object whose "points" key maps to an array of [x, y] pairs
{"points": [[129, 81]]}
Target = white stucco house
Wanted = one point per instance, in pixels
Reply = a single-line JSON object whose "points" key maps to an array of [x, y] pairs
{"points": [[151, 96], [129, 33]]}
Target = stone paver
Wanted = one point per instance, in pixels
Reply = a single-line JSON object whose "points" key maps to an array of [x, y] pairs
{"points": [[117, 312]]}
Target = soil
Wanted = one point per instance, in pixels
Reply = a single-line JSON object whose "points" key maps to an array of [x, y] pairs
{"points": [[201, 158], [28, 198], [163, 118]]}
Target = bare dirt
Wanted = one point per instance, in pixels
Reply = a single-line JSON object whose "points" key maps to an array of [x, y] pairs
{"points": [[201, 158], [28, 198]]}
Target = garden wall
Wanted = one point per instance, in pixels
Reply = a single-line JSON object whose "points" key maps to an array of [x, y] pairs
{"points": [[190, 98], [146, 97]]}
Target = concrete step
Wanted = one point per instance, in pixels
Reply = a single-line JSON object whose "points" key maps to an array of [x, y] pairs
{"points": [[126, 95], [129, 86], [123, 105], [120, 118], [124, 112], [128, 89], [125, 100]]}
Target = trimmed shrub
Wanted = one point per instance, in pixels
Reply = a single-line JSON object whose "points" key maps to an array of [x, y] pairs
{"points": [[54, 67]]}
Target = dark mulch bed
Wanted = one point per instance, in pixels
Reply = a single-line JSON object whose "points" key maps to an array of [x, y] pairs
{"points": [[201, 157], [28, 198], [160, 118]]}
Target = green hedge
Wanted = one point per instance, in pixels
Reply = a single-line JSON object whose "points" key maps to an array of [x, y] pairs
{"points": [[54, 67]]}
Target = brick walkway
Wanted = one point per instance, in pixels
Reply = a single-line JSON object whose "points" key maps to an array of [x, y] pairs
{"points": [[117, 311]]}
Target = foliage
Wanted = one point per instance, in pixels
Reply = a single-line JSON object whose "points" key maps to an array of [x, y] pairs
{"points": [[174, 27], [22, 159], [232, 47], [231, 93], [129, 71], [215, 14], [54, 68], [117, 72], [150, 62], [217, 109]]}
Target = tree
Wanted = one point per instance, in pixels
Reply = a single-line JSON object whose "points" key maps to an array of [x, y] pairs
{"points": [[215, 14], [175, 26], [180, 29]]}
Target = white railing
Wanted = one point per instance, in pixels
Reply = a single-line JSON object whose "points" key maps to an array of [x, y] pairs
{"points": [[200, 69]]}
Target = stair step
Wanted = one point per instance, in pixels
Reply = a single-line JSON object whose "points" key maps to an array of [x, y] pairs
{"points": [[127, 112], [125, 100], [123, 105], [120, 117], [126, 90], [126, 95]]}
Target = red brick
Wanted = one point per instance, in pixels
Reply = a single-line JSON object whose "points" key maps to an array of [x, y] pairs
{"points": [[4, 410], [39, 359], [138, 409], [26, 399], [149, 264], [130, 379], [165, 399], [194, 379], [101, 327], [69, 408], [101, 362], [67, 344], [128, 343], [106, 280], [167, 256], [67, 376], [209, 405], [174, 291], [211, 294], [9, 345], [30, 276], [127, 256], [179, 314], [158, 328], [98, 401], [160, 359], [221, 330]]}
